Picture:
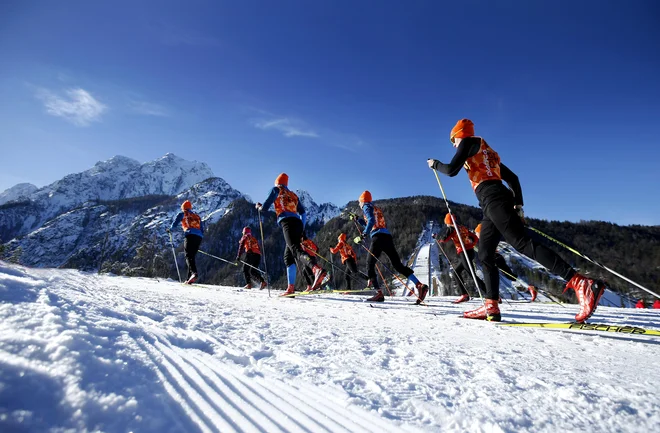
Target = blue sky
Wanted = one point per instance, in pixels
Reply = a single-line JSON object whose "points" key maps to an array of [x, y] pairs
{"points": [[343, 95]]}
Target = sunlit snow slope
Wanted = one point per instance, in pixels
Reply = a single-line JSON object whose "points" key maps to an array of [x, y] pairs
{"points": [[83, 352]]}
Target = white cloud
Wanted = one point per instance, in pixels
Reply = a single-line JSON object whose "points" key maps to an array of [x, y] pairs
{"points": [[148, 108], [288, 127], [77, 105]]}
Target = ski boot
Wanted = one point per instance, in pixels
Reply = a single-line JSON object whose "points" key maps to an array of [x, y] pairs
{"points": [[533, 292], [192, 279], [290, 290], [422, 289], [319, 275], [378, 297], [462, 298], [263, 285], [588, 292], [489, 311], [248, 286]]}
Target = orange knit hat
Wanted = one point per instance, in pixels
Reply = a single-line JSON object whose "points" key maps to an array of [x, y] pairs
{"points": [[342, 237], [463, 128], [365, 197], [282, 179], [186, 205], [448, 219]]}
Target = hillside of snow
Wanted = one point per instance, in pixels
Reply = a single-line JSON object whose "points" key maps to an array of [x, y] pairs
{"points": [[87, 352]]}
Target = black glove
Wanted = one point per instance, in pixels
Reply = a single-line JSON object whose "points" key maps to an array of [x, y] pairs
{"points": [[433, 163]]}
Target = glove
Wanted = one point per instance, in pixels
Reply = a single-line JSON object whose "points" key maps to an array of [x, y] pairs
{"points": [[520, 212], [351, 216], [357, 239], [258, 207], [433, 163], [433, 235], [237, 259], [168, 230]]}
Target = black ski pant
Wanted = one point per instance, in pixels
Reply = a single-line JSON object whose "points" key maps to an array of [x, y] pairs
{"points": [[191, 246], [251, 273], [463, 266], [294, 254], [501, 220], [351, 271], [507, 272], [383, 243]]}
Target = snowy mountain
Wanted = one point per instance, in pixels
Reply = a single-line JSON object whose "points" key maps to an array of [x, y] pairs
{"points": [[19, 192], [115, 179], [321, 213], [79, 237], [85, 352]]}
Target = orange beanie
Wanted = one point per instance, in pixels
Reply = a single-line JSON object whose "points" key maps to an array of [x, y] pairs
{"points": [[342, 237], [477, 229], [448, 219], [464, 128], [365, 197], [186, 205], [282, 179]]}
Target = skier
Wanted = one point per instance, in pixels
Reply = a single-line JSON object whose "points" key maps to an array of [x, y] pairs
{"points": [[656, 304], [252, 258], [640, 304], [193, 230], [469, 240], [506, 270], [291, 217], [348, 258], [503, 216], [310, 248], [381, 242]]}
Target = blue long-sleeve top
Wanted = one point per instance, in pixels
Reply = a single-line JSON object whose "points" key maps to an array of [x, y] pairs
{"points": [[368, 210], [300, 214], [191, 231]]}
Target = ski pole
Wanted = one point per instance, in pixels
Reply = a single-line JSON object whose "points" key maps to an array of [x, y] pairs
{"points": [[381, 274], [576, 252], [263, 246], [389, 292], [450, 265], [460, 238], [174, 253], [391, 272], [217, 258], [331, 263]]}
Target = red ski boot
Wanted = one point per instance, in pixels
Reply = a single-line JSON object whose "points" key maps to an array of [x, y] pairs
{"points": [[290, 290], [378, 297], [463, 298], [490, 311], [192, 279], [588, 292], [422, 289], [533, 292], [263, 285], [247, 286], [319, 275]]}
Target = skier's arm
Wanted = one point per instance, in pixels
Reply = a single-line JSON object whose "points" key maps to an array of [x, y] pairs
{"points": [[445, 235], [371, 219], [271, 198], [334, 249], [512, 180], [301, 211], [240, 247], [464, 151], [176, 221]]}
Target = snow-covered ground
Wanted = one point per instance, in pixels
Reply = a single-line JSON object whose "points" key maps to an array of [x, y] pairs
{"points": [[82, 352]]}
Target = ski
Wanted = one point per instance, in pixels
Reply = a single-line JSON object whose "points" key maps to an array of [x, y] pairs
{"points": [[620, 329], [322, 292]]}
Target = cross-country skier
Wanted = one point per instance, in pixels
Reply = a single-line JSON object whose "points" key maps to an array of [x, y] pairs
{"points": [[310, 248], [469, 240], [291, 218], [252, 258], [348, 258], [381, 242], [193, 230], [503, 217], [506, 270]]}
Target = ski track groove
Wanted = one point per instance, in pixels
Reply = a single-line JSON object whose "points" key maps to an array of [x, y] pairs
{"points": [[186, 396], [171, 390]]}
